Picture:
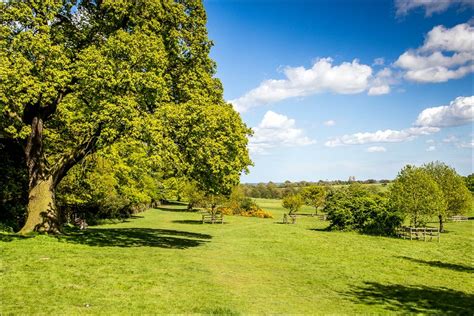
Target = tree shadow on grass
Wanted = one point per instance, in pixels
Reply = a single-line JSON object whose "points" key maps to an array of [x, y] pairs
{"points": [[325, 230], [196, 222], [188, 221], [175, 209], [439, 264], [414, 299], [136, 237], [11, 237]]}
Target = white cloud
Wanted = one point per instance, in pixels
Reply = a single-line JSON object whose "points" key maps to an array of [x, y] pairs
{"points": [[430, 141], [376, 149], [379, 61], [384, 89], [458, 112], [323, 76], [429, 121], [380, 84], [277, 130], [381, 136], [329, 123], [458, 38], [438, 74], [431, 148], [446, 54], [466, 144], [430, 6], [450, 139]]}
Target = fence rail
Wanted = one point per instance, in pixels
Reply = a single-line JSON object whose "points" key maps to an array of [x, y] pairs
{"points": [[419, 233]]}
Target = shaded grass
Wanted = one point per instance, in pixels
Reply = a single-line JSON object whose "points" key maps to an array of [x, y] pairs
{"points": [[165, 262], [415, 299], [135, 237], [445, 265]]}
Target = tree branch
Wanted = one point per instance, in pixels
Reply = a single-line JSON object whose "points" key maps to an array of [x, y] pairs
{"points": [[67, 162]]}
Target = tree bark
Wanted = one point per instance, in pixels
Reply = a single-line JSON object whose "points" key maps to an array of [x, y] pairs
{"points": [[43, 214], [441, 223]]}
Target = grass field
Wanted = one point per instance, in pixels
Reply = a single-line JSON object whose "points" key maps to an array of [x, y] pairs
{"points": [[165, 261]]}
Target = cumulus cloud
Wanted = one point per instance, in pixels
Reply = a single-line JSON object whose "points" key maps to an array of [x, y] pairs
{"points": [[429, 121], [379, 90], [450, 139], [277, 130], [466, 144], [430, 6], [376, 149], [431, 148], [329, 123], [459, 38], [379, 61], [346, 78], [381, 136], [381, 82], [446, 54], [458, 112]]}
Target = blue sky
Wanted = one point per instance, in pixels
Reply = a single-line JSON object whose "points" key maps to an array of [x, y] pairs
{"points": [[340, 88]]}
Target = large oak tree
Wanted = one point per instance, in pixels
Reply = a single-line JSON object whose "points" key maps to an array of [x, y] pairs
{"points": [[79, 75]]}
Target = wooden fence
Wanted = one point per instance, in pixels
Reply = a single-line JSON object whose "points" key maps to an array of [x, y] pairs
{"points": [[458, 218], [419, 233]]}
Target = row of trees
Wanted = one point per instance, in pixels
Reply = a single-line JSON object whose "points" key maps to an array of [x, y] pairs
{"points": [[273, 190], [418, 193], [103, 103]]}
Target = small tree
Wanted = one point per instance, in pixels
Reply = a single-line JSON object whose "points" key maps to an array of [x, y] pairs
{"points": [[193, 195], [456, 195], [416, 194], [292, 202], [212, 201], [315, 196]]}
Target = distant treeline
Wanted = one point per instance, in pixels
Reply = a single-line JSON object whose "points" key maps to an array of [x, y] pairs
{"points": [[272, 190]]}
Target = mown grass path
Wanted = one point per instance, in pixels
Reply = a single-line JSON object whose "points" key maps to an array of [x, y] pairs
{"points": [[165, 261]]}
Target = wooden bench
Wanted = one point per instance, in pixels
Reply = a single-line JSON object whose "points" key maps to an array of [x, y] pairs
{"points": [[213, 218], [287, 218], [458, 218], [419, 233], [322, 217], [81, 223], [305, 214]]}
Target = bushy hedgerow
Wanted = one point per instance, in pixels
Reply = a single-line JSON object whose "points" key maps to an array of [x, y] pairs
{"points": [[109, 186], [356, 208]]}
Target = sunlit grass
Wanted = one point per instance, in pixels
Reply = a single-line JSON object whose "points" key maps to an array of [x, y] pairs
{"points": [[165, 261]]}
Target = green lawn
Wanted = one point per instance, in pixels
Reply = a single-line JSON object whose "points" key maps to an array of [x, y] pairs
{"points": [[165, 261]]}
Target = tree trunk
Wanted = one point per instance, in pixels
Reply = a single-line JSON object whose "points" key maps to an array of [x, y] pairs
{"points": [[441, 223], [42, 212], [43, 215]]}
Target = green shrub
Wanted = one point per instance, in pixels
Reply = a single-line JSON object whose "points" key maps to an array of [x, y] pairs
{"points": [[356, 208]]}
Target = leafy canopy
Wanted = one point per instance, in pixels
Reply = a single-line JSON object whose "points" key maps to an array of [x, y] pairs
{"points": [[314, 195], [416, 194], [455, 193], [293, 202], [100, 70]]}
